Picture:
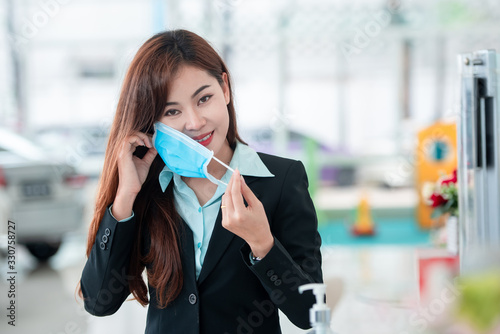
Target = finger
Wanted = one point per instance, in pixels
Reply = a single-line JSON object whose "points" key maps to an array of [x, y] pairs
{"points": [[145, 139], [150, 156], [135, 141], [236, 191], [150, 140], [128, 146], [227, 202], [248, 194]]}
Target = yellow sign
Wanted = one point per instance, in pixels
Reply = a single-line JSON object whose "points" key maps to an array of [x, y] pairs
{"points": [[436, 156]]}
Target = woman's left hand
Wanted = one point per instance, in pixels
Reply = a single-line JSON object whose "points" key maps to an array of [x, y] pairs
{"points": [[248, 222]]}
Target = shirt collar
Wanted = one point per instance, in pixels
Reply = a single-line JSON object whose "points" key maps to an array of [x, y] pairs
{"points": [[244, 158]]}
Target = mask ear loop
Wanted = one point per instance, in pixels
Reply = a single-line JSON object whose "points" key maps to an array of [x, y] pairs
{"points": [[223, 164], [213, 179]]}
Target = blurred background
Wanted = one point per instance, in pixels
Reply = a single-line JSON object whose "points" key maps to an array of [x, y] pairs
{"points": [[365, 92]]}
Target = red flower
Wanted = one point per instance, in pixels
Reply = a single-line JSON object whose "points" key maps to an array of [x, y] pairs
{"points": [[453, 179], [437, 200]]}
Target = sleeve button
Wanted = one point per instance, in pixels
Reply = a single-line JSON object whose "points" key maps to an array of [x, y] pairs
{"points": [[104, 238], [273, 278], [270, 273], [277, 282], [107, 231], [102, 245]]}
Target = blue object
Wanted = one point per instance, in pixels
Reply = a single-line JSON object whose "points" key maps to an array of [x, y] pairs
{"points": [[183, 155], [392, 231]]}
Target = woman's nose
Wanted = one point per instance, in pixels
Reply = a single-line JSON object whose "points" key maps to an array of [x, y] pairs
{"points": [[194, 121]]}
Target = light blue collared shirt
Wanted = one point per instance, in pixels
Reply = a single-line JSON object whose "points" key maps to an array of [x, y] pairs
{"points": [[201, 219]]}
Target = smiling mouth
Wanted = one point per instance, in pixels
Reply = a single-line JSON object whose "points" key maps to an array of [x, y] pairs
{"points": [[204, 138]]}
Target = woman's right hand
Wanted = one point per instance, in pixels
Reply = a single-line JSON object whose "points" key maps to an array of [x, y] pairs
{"points": [[132, 172]]}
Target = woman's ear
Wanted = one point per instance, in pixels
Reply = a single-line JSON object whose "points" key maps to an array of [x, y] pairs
{"points": [[225, 88]]}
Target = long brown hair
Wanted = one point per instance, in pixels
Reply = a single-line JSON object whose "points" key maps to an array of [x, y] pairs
{"points": [[142, 102]]}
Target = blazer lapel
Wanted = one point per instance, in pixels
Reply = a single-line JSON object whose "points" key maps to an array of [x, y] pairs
{"points": [[187, 252], [219, 241]]}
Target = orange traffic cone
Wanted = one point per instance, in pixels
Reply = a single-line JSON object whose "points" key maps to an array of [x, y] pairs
{"points": [[363, 225]]}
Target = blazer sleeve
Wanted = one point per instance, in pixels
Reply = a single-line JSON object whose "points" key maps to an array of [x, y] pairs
{"points": [[104, 281], [295, 258]]}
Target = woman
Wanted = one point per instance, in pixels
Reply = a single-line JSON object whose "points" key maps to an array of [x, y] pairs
{"points": [[219, 259]]}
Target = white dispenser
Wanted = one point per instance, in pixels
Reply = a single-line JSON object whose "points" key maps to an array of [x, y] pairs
{"points": [[319, 314]]}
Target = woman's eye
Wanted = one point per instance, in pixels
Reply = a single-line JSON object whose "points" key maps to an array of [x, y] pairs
{"points": [[171, 112], [205, 99]]}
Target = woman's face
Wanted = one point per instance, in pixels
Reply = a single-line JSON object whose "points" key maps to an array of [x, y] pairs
{"points": [[197, 107]]}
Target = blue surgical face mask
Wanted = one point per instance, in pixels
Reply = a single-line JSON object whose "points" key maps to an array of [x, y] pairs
{"points": [[183, 155]]}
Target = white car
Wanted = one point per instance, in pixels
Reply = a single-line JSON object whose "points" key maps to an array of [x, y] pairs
{"points": [[41, 197], [82, 146]]}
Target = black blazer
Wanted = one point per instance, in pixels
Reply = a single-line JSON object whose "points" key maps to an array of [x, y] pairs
{"points": [[231, 296]]}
